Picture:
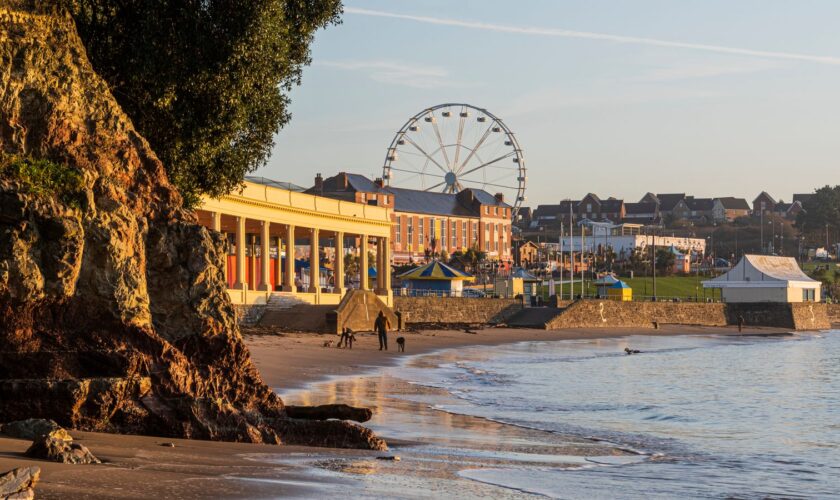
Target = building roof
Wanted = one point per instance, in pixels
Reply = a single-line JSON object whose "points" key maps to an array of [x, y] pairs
{"points": [[700, 204], [802, 197], [363, 184], [667, 201], [759, 271], [611, 205], [428, 202], [640, 208], [278, 184], [765, 195], [436, 271], [554, 210], [732, 203]]}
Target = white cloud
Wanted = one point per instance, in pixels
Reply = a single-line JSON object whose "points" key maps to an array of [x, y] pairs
{"points": [[552, 32], [394, 73]]}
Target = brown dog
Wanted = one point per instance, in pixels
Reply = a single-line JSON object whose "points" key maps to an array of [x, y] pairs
{"points": [[401, 344]]}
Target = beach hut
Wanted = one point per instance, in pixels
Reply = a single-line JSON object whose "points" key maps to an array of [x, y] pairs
{"points": [[766, 278], [620, 291], [682, 261], [604, 283], [434, 278]]}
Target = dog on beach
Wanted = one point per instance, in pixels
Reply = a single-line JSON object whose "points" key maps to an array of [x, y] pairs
{"points": [[629, 351], [401, 344], [328, 343], [347, 338]]}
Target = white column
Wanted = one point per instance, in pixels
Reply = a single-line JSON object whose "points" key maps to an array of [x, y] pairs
{"points": [[314, 262], [265, 261], [386, 266], [278, 268], [339, 263], [217, 221], [363, 257], [289, 275], [241, 282], [380, 266]]}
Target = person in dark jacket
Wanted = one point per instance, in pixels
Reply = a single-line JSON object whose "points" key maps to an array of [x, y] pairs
{"points": [[381, 326]]}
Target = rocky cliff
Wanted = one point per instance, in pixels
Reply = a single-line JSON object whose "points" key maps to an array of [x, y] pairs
{"points": [[113, 310]]}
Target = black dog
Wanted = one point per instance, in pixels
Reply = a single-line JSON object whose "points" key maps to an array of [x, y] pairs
{"points": [[401, 344], [347, 338], [631, 351]]}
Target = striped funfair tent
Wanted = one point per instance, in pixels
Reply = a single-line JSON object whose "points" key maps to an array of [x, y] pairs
{"points": [[434, 278]]}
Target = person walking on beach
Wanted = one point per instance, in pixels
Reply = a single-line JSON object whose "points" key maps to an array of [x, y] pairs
{"points": [[381, 326], [740, 322]]}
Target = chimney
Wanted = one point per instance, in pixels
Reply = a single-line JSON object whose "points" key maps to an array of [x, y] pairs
{"points": [[378, 182], [345, 180], [500, 197], [319, 184]]}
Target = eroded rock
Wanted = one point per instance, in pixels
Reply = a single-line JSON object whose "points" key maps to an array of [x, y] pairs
{"points": [[34, 428], [19, 484], [59, 450], [327, 412], [114, 314]]}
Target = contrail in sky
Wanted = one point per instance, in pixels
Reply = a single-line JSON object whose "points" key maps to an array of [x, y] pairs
{"points": [[552, 32]]}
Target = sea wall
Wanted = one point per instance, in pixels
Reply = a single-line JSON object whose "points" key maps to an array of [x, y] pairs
{"points": [[455, 310], [615, 314], [797, 316], [833, 311]]}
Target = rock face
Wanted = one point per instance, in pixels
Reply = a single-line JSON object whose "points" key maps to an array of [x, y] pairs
{"points": [[113, 312], [19, 484]]}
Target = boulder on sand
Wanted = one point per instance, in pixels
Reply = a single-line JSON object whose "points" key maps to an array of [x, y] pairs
{"points": [[19, 484], [33, 428], [327, 412], [59, 450]]}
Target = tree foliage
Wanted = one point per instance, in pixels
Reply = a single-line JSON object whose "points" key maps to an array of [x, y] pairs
{"points": [[822, 210], [205, 81]]}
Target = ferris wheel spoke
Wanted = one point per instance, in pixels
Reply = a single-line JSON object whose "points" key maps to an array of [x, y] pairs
{"points": [[440, 140], [490, 184], [427, 155], [417, 172], [435, 186], [512, 153], [461, 121], [477, 146]]}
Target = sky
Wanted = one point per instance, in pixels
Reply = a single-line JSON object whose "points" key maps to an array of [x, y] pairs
{"points": [[615, 97]]}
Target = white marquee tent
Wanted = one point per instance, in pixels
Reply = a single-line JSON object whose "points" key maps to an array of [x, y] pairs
{"points": [[765, 278]]}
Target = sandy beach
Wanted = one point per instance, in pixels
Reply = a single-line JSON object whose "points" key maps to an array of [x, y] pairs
{"points": [[139, 467]]}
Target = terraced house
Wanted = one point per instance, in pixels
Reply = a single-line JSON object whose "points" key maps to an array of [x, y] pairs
{"points": [[426, 222]]}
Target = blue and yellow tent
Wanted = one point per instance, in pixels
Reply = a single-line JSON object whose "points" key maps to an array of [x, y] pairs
{"points": [[434, 278]]}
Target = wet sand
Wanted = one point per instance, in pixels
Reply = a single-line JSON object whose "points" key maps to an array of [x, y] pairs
{"points": [[139, 467]]}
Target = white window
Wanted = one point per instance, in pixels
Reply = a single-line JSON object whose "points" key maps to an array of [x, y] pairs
{"points": [[589, 208], [463, 235], [495, 210], [475, 233], [398, 238], [420, 234], [454, 235], [410, 228], [442, 234], [487, 210], [363, 197]]}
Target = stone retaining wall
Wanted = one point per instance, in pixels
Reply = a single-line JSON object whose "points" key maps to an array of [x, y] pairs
{"points": [[250, 314], [615, 314], [833, 313], [455, 310]]}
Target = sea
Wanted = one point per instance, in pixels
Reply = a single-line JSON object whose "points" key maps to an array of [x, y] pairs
{"points": [[694, 416]]}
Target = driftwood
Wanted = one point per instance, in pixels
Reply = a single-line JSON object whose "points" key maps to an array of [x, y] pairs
{"points": [[326, 412]]}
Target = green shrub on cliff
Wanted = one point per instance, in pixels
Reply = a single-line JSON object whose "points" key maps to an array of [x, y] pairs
{"points": [[207, 83], [44, 178]]}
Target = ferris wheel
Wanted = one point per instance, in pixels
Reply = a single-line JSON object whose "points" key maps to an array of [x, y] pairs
{"points": [[451, 147]]}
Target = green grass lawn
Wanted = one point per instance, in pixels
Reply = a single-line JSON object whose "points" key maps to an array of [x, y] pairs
{"points": [[683, 287], [810, 267]]}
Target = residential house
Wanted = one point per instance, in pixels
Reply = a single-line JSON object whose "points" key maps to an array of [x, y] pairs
{"points": [[729, 208], [593, 208], [552, 215], [425, 221], [763, 204], [700, 209], [528, 253], [671, 205], [642, 212], [788, 210], [802, 197]]}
